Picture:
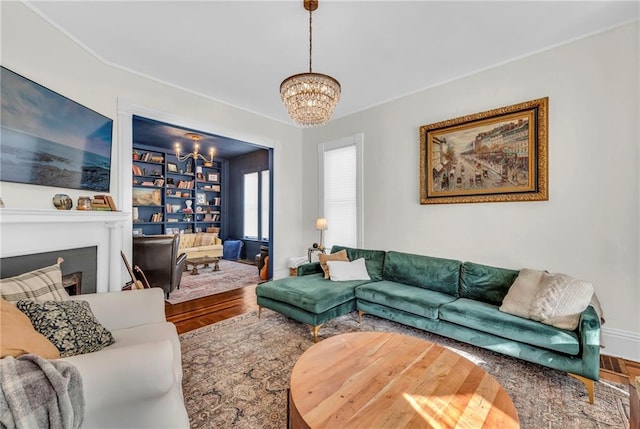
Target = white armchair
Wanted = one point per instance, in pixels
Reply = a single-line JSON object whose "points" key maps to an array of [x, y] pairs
{"points": [[137, 381]]}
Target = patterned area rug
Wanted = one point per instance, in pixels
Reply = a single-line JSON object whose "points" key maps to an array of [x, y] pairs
{"points": [[232, 275], [236, 375]]}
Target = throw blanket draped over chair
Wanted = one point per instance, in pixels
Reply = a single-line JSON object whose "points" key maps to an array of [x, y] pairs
{"points": [[38, 393]]}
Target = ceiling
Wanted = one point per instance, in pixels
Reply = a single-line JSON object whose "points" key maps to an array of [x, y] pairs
{"points": [[165, 136], [238, 52]]}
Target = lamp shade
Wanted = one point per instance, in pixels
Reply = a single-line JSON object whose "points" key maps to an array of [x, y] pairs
{"points": [[321, 224]]}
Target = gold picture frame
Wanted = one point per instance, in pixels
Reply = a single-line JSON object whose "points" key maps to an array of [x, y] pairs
{"points": [[495, 156]]}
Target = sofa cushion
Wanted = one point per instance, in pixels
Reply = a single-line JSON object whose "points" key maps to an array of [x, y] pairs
{"points": [[69, 325], [486, 317], [410, 299], [205, 239], [374, 259], [18, 337], [338, 256], [438, 274], [311, 293], [485, 283], [44, 284]]}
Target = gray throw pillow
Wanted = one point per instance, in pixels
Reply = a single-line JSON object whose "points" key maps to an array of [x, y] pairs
{"points": [[69, 325]]}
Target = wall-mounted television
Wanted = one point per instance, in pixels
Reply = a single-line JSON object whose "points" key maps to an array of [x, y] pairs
{"points": [[47, 139]]}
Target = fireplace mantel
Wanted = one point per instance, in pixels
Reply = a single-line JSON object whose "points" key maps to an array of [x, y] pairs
{"points": [[28, 231], [20, 216]]}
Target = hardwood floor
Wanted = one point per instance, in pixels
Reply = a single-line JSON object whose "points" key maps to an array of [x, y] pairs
{"points": [[201, 312], [195, 314]]}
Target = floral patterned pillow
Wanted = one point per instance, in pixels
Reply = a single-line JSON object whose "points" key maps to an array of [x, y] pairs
{"points": [[69, 325]]}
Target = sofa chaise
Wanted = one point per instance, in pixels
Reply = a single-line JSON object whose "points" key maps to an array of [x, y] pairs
{"points": [[460, 300]]}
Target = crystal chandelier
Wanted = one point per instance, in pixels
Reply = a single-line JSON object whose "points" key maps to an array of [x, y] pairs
{"points": [[208, 162], [310, 98]]}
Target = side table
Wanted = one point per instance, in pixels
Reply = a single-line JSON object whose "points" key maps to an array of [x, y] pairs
{"points": [[312, 250]]}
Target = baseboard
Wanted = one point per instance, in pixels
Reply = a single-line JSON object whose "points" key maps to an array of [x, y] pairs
{"points": [[619, 343]]}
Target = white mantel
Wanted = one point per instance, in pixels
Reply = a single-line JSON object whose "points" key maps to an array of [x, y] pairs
{"points": [[28, 231]]}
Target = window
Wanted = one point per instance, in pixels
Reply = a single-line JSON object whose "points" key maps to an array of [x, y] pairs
{"points": [[264, 205], [251, 205], [256, 205], [341, 191]]}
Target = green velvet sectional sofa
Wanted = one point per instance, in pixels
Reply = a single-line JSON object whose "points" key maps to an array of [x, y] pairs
{"points": [[455, 299]]}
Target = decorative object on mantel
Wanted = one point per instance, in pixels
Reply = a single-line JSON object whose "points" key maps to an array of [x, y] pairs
{"points": [[62, 201], [208, 162], [84, 203], [310, 98], [494, 156]]}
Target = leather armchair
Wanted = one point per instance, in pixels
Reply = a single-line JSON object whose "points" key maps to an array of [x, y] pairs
{"points": [[157, 256]]}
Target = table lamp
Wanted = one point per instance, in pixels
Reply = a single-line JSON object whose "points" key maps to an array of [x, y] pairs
{"points": [[321, 225]]}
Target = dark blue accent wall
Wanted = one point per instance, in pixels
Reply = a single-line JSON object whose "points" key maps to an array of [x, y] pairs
{"points": [[238, 166]]}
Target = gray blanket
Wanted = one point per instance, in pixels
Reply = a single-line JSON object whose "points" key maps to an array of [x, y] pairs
{"points": [[40, 393]]}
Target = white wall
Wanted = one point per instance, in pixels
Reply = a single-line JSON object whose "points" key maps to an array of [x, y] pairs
{"points": [[34, 48], [589, 226]]}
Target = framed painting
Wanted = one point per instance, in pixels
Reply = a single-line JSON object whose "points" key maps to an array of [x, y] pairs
{"points": [[47, 139], [172, 167], [495, 156]]}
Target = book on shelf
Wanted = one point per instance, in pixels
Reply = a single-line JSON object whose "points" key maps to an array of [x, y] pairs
{"points": [[103, 202], [146, 183], [137, 170], [156, 217], [151, 157], [185, 184]]}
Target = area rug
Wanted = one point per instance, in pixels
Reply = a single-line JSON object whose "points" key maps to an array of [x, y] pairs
{"points": [[232, 275], [236, 375]]}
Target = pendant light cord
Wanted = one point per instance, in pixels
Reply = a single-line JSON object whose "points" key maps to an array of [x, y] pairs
{"points": [[310, 39]]}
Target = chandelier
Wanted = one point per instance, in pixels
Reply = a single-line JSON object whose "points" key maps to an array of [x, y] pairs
{"points": [[310, 98], [208, 162]]}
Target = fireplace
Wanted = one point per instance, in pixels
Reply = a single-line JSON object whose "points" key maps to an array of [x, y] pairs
{"points": [[54, 232], [82, 260]]}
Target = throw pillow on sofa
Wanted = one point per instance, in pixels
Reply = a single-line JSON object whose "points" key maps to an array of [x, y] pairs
{"points": [[552, 299], [341, 271], [19, 337], [44, 284], [69, 325], [522, 293], [561, 300], [338, 256]]}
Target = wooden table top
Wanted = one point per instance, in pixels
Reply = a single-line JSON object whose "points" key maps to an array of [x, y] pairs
{"points": [[383, 380]]}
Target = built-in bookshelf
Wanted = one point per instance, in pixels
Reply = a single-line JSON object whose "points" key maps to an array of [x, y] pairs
{"points": [[171, 196]]}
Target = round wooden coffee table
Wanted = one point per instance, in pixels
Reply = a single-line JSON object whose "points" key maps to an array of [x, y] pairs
{"points": [[384, 380]]}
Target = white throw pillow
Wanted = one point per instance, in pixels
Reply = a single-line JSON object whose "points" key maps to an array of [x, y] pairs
{"points": [[561, 300], [340, 271], [522, 293]]}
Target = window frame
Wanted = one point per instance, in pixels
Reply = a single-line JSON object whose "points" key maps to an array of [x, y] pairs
{"points": [[356, 140]]}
